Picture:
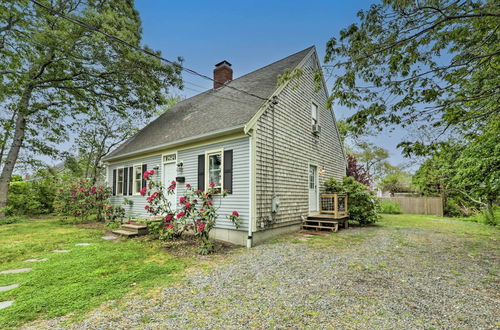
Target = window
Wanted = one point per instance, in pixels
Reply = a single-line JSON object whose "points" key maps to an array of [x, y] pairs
{"points": [[314, 114], [214, 169], [119, 182], [137, 179]]}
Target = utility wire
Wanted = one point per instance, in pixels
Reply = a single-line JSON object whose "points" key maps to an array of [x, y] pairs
{"points": [[112, 37]]}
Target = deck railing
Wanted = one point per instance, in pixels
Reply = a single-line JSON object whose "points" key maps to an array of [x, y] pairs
{"points": [[334, 204]]}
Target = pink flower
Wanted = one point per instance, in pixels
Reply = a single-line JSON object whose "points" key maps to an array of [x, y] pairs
{"points": [[188, 186], [236, 214], [201, 227], [170, 226], [143, 191], [188, 206], [147, 174], [202, 210], [209, 203], [93, 190], [211, 185], [198, 191], [182, 200], [169, 217], [173, 183], [180, 214], [108, 214], [109, 207], [146, 207]]}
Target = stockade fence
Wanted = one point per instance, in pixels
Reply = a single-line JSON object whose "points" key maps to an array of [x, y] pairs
{"points": [[418, 205]]}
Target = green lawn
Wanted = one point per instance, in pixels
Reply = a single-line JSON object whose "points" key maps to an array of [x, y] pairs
{"points": [[79, 280]]}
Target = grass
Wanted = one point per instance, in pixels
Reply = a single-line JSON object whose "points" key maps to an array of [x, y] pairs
{"points": [[77, 281]]}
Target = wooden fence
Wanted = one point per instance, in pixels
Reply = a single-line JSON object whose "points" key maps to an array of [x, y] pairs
{"points": [[418, 205]]}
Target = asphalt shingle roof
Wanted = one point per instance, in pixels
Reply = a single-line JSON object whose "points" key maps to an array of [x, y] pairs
{"points": [[211, 111]]}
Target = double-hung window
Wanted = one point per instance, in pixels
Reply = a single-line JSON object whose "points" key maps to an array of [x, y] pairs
{"points": [[137, 179], [214, 169], [119, 182], [314, 113]]}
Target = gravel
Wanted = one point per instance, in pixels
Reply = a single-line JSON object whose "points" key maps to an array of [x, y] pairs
{"points": [[382, 278]]}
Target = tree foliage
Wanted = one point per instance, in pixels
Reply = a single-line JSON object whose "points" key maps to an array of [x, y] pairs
{"points": [[54, 72], [358, 172], [431, 63]]}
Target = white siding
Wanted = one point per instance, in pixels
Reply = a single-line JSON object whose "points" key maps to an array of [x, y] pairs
{"points": [[137, 209], [238, 200]]}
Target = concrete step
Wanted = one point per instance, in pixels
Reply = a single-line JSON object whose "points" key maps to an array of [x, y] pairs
{"points": [[125, 233], [140, 229]]}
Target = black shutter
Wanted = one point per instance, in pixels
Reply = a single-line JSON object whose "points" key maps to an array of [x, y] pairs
{"points": [[144, 169], [114, 183], [130, 180], [201, 172], [125, 181], [228, 170]]}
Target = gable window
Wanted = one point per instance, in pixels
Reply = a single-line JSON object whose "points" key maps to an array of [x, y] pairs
{"points": [[119, 182], [137, 179], [314, 114], [214, 169]]}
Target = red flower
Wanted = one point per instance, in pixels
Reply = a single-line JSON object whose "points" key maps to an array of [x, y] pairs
{"points": [[146, 207], [209, 203], [108, 214], [170, 226], [188, 206], [188, 186], [201, 227], [169, 217], [109, 207], [182, 200], [180, 214], [211, 185], [143, 191], [236, 214], [93, 190], [198, 191], [147, 174]]}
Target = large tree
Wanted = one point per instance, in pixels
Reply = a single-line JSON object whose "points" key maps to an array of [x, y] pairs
{"points": [[54, 72], [428, 63]]}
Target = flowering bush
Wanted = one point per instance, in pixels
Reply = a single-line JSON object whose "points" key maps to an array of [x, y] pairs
{"points": [[196, 213], [114, 216], [82, 199]]}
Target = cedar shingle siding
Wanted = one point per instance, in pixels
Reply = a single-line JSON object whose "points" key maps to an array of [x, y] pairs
{"points": [[295, 148]]}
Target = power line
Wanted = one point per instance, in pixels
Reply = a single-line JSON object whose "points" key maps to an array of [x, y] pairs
{"points": [[110, 36]]}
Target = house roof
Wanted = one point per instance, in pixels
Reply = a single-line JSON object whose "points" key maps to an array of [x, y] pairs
{"points": [[214, 110]]}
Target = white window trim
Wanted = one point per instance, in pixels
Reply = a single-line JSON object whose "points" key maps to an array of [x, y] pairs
{"points": [[317, 112], [207, 172], [134, 183], [123, 179]]}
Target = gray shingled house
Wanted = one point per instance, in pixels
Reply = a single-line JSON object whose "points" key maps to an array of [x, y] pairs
{"points": [[272, 156]]}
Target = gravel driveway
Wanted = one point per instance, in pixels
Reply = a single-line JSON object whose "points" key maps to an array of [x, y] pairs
{"points": [[379, 277]]}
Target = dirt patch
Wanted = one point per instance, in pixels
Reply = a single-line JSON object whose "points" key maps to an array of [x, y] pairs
{"points": [[188, 246]]}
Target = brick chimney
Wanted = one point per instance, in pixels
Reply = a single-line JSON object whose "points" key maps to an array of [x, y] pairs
{"points": [[222, 73]]}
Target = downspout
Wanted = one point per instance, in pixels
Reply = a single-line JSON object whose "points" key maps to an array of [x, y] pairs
{"points": [[250, 191]]}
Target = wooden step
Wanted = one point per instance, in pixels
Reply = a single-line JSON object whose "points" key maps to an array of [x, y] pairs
{"points": [[125, 233], [332, 228]]}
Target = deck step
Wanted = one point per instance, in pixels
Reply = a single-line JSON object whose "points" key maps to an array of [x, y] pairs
{"points": [[332, 228], [126, 233], [135, 227]]}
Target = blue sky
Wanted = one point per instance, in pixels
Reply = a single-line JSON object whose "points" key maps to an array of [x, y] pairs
{"points": [[249, 34]]}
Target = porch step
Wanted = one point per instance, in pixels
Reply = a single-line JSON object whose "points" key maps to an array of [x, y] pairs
{"points": [[125, 233], [136, 228], [334, 228]]}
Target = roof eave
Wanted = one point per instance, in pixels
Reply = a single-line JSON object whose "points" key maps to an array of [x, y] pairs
{"points": [[213, 134]]}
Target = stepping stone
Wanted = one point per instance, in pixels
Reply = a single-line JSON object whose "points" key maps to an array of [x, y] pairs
{"points": [[83, 244], [60, 251], [15, 271], [9, 287], [109, 237], [36, 260], [5, 304]]}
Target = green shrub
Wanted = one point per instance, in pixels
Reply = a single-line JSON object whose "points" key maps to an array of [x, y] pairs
{"points": [[389, 208], [490, 216], [362, 202], [12, 219]]}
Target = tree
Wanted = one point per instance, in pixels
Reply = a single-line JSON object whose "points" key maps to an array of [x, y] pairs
{"points": [[358, 172], [103, 131], [398, 181], [431, 62], [55, 72], [373, 158]]}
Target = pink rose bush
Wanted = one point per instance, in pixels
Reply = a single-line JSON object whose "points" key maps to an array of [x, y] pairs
{"points": [[196, 212]]}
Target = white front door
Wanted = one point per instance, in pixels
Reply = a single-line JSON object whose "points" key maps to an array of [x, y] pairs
{"points": [[313, 188], [169, 174]]}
